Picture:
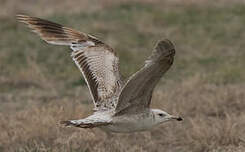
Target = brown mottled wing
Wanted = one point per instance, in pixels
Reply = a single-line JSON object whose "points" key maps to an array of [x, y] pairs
{"points": [[96, 60], [100, 68], [136, 94]]}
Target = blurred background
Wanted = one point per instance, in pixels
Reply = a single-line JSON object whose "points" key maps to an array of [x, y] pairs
{"points": [[40, 85]]}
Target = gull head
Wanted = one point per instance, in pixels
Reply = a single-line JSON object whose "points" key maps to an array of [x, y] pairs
{"points": [[162, 116]]}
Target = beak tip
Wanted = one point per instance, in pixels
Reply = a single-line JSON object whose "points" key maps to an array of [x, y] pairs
{"points": [[179, 119]]}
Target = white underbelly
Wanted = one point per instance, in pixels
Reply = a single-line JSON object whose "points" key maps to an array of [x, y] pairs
{"points": [[127, 126]]}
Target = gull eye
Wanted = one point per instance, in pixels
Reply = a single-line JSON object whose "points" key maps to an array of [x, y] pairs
{"points": [[160, 114]]}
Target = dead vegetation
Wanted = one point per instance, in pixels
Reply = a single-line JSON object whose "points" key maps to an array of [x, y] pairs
{"points": [[39, 84]]}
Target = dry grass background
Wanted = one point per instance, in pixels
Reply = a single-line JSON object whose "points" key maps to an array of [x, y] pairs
{"points": [[39, 84]]}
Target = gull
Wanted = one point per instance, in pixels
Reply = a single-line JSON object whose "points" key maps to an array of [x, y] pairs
{"points": [[120, 105]]}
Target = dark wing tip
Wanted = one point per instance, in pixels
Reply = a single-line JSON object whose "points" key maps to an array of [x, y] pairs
{"points": [[179, 119], [23, 18], [35, 21], [165, 45], [30, 21], [164, 49]]}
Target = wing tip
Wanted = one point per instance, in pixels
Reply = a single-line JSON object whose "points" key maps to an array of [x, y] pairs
{"points": [[21, 15], [164, 45], [23, 18], [165, 42]]}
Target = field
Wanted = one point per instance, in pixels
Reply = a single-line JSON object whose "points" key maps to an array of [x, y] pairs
{"points": [[40, 85]]}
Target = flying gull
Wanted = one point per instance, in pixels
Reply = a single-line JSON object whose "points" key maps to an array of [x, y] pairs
{"points": [[119, 105]]}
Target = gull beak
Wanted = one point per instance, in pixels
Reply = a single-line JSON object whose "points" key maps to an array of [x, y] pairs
{"points": [[176, 118]]}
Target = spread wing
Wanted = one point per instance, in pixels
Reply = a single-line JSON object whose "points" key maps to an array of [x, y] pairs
{"points": [[136, 94], [96, 60]]}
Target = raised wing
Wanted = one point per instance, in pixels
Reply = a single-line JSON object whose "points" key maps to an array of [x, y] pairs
{"points": [[96, 60], [136, 94]]}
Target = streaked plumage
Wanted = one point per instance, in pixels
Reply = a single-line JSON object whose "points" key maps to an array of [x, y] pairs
{"points": [[120, 106]]}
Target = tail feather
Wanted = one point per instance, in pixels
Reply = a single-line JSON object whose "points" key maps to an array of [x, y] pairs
{"points": [[67, 123]]}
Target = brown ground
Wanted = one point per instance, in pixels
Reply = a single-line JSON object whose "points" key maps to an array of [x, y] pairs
{"points": [[39, 84]]}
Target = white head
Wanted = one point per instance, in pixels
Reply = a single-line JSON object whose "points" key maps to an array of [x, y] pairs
{"points": [[162, 116]]}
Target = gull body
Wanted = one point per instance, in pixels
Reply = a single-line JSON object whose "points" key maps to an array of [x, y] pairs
{"points": [[138, 122], [120, 105], [127, 123]]}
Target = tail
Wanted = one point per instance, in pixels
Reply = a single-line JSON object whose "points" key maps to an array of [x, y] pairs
{"points": [[83, 124]]}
